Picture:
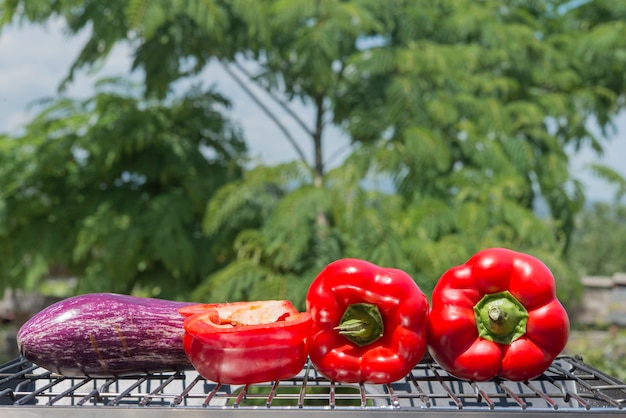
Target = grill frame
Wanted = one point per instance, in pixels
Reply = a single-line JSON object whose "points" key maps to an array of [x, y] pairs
{"points": [[569, 386]]}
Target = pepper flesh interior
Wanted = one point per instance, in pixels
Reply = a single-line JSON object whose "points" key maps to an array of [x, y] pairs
{"points": [[253, 313]]}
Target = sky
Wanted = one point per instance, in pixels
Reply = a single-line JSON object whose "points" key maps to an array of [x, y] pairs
{"points": [[35, 59]]}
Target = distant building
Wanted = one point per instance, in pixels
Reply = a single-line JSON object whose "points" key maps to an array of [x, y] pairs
{"points": [[603, 302]]}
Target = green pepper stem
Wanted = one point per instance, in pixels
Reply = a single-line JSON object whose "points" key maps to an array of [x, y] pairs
{"points": [[361, 323], [495, 314], [500, 317]]}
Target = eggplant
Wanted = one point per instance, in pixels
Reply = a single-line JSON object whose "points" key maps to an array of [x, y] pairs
{"points": [[106, 334]]}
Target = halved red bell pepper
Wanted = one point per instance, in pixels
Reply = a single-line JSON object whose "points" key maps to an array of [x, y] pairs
{"points": [[246, 342], [369, 322], [497, 315]]}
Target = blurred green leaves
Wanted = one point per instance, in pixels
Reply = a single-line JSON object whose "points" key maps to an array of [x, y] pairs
{"points": [[458, 114], [113, 189]]}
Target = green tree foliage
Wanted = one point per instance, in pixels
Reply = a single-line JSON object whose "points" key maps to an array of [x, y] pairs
{"points": [[281, 246], [112, 190], [607, 354], [483, 99], [466, 108], [599, 243]]}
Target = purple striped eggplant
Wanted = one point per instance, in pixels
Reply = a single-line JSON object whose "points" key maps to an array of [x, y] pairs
{"points": [[106, 334]]}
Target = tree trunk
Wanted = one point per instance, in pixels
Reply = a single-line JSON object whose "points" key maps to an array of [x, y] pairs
{"points": [[318, 169]]}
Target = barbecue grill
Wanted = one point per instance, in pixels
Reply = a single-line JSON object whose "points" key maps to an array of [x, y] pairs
{"points": [[569, 387]]}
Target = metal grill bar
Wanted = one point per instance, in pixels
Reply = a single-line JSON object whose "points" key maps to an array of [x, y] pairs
{"points": [[543, 396], [450, 392], [26, 399], [482, 396], [512, 394], [421, 394], [568, 394], [146, 399], [183, 395], [568, 385], [68, 392], [271, 395]]}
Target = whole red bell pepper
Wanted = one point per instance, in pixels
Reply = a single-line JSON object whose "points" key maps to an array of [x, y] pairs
{"points": [[246, 342], [497, 315], [369, 322]]}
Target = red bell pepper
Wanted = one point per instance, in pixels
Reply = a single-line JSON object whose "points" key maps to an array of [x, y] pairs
{"points": [[246, 342], [369, 322], [497, 315]]}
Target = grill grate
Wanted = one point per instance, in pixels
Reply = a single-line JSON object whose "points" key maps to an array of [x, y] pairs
{"points": [[569, 385]]}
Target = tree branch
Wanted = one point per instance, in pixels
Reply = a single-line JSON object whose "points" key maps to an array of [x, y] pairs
{"points": [[267, 111], [280, 102]]}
